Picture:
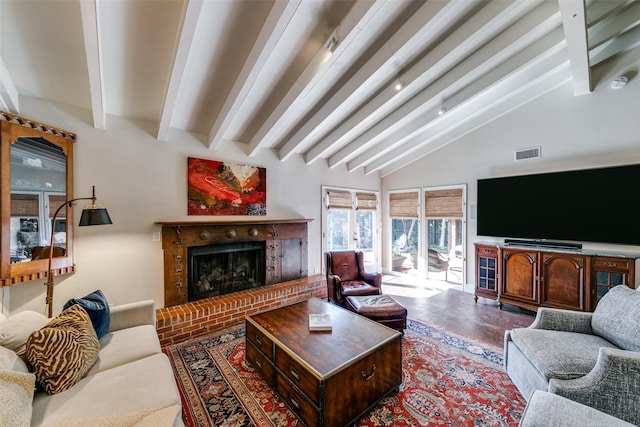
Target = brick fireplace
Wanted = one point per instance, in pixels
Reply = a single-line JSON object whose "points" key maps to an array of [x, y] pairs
{"points": [[281, 246]]}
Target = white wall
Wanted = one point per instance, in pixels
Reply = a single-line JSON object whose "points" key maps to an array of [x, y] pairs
{"points": [[141, 180], [575, 132]]}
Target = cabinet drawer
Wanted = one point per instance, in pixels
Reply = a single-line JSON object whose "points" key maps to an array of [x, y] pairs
{"points": [[362, 384], [609, 263], [298, 375], [260, 363], [296, 401], [260, 340], [487, 251]]}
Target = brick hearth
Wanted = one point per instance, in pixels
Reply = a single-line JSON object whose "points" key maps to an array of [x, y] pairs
{"points": [[180, 322]]}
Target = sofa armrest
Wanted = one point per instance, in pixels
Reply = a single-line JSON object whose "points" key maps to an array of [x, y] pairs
{"points": [[133, 314], [555, 319], [612, 386], [374, 279], [333, 287]]}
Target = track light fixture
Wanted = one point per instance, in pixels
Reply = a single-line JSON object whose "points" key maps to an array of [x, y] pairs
{"points": [[442, 109], [399, 85]]}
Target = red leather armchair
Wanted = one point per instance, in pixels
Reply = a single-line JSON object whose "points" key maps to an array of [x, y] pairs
{"points": [[346, 276]]}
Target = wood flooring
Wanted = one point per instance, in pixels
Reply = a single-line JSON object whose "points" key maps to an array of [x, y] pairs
{"points": [[446, 306]]}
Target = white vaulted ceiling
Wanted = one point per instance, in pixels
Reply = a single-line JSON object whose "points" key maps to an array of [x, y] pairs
{"points": [[261, 74]]}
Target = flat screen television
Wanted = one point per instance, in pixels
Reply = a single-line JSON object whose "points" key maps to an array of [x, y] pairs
{"points": [[589, 205]]}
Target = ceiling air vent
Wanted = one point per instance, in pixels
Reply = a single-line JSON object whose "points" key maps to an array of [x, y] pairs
{"points": [[527, 153]]}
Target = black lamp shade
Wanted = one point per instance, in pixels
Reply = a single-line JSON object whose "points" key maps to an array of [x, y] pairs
{"points": [[98, 216]]}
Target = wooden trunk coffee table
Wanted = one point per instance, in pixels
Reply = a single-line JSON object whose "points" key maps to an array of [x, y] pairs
{"points": [[326, 378]]}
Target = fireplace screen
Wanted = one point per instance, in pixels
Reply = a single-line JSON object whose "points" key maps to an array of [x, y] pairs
{"points": [[225, 268]]}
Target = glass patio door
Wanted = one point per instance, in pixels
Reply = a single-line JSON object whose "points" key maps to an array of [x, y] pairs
{"points": [[405, 231], [444, 215], [350, 223]]}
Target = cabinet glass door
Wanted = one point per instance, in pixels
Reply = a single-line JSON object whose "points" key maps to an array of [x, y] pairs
{"points": [[606, 280], [487, 273]]}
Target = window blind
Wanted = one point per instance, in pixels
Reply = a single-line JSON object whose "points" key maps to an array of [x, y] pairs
{"points": [[403, 205], [54, 203], [339, 200], [366, 201], [443, 203], [25, 205]]}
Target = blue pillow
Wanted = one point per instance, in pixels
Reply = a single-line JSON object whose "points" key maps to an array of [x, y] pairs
{"points": [[96, 306]]}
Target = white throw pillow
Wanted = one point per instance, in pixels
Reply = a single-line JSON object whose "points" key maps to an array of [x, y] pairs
{"points": [[16, 395], [15, 330], [10, 361]]}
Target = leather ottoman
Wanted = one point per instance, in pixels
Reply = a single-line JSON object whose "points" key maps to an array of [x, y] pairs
{"points": [[381, 308]]}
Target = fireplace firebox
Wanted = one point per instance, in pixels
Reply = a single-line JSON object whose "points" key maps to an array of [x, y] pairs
{"points": [[225, 268]]}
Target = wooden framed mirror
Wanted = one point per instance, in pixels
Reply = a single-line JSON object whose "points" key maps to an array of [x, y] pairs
{"points": [[36, 165]]}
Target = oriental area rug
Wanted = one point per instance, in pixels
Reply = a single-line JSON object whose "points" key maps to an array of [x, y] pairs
{"points": [[448, 380]]}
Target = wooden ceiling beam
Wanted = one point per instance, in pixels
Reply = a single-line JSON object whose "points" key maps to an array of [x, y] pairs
{"points": [[491, 38], [271, 32], [546, 72], [191, 12], [323, 70], [90, 16], [9, 99], [427, 24], [574, 22]]}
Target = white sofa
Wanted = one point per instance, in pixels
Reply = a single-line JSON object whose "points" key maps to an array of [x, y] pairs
{"points": [[130, 384]]}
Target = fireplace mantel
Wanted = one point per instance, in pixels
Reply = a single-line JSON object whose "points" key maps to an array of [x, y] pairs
{"points": [[285, 239], [235, 222]]}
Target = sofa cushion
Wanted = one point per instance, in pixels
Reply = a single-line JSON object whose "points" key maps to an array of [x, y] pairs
{"points": [[15, 330], [16, 395], [127, 389], [124, 346], [357, 288], [617, 318], [556, 354], [64, 350], [10, 361], [154, 417], [95, 304]]}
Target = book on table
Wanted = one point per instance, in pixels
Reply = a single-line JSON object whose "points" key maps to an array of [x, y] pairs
{"points": [[319, 322]]}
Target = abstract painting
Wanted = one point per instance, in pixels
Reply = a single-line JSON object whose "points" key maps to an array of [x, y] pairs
{"points": [[225, 188]]}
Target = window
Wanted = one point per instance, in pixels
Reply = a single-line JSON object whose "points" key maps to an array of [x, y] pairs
{"points": [[349, 223], [405, 230], [444, 211], [433, 248], [30, 224]]}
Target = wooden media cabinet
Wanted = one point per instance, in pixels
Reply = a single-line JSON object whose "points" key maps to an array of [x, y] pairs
{"points": [[532, 277]]}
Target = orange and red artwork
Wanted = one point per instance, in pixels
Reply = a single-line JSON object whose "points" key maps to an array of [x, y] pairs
{"points": [[224, 188]]}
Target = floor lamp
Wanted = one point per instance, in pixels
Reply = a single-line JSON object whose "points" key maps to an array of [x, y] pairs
{"points": [[90, 216]]}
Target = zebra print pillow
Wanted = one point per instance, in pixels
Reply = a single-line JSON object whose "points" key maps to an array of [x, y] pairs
{"points": [[63, 350]]}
